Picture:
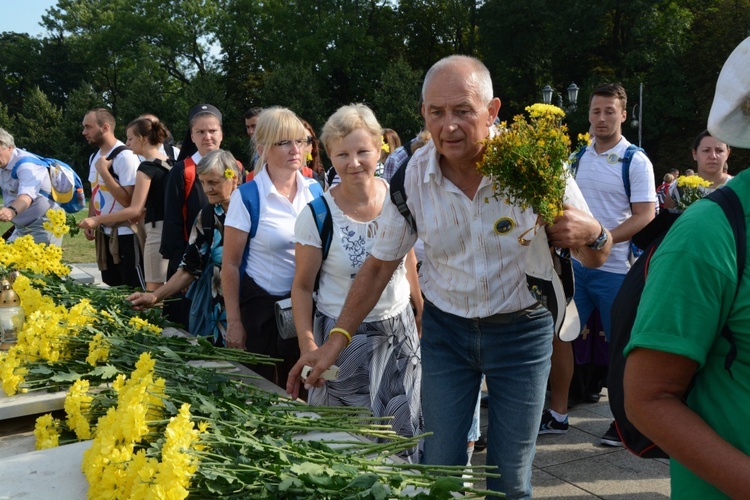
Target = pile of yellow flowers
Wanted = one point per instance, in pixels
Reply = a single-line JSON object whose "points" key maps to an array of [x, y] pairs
{"points": [[691, 188], [25, 255], [165, 428], [527, 161], [113, 465]]}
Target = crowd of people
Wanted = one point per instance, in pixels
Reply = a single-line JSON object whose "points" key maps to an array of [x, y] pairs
{"points": [[414, 311]]}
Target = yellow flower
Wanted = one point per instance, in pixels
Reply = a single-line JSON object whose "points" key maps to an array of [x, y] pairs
{"points": [[142, 324], [77, 406], [692, 181], [384, 145], [527, 161], [98, 350], [56, 222], [540, 110], [46, 432], [11, 372], [308, 157], [229, 173], [691, 189]]}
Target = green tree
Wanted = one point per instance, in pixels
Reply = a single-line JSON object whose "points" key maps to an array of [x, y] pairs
{"points": [[7, 121], [38, 125], [397, 99]]}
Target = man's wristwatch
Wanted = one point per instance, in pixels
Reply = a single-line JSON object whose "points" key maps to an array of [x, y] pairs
{"points": [[599, 243]]}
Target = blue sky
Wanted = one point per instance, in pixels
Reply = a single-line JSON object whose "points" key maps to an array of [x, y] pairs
{"points": [[24, 16]]}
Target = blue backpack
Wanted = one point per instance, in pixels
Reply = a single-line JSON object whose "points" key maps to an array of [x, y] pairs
{"points": [[251, 199], [67, 188], [629, 153]]}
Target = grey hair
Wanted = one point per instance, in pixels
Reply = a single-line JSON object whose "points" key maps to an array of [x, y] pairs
{"points": [[217, 161], [479, 74], [6, 140]]}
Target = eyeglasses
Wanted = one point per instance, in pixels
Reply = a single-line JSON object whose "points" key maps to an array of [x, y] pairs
{"points": [[297, 142]]}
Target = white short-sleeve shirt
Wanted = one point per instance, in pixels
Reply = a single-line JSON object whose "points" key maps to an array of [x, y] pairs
{"points": [[271, 258], [474, 266], [600, 179], [351, 243], [125, 165]]}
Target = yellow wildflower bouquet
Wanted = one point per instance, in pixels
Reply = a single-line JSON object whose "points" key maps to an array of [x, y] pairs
{"points": [[527, 159], [691, 188]]}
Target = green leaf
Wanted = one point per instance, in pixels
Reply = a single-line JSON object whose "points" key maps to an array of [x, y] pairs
{"points": [[444, 486], [41, 370], [66, 377], [363, 482], [308, 468], [379, 491], [288, 482], [106, 372]]}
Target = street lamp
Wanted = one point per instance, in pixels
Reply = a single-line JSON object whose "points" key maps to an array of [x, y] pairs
{"points": [[572, 89], [638, 119]]}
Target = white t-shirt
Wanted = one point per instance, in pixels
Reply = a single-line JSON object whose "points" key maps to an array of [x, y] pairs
{"points": [[600, 179], [125, 165], [271, 257], [350, 246]]}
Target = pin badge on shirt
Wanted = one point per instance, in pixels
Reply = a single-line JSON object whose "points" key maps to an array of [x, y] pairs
{"points": [[612, 158], [504, 225]]}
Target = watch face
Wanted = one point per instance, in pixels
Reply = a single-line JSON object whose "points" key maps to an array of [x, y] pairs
{"points": [[600, 241]]}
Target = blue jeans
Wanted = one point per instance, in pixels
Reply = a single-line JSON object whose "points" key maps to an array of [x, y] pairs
{"points": [[515, 358], [595, 289]]}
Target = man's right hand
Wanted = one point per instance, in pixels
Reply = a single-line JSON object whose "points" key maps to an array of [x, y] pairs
{"points": [[102, 164], [90, 234]]}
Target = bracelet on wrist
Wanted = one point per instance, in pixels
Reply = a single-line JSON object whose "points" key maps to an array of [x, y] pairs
{"points": [[12, 209], [343, 332]]}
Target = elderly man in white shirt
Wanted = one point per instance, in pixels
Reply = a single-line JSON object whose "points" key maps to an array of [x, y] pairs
{"points": [[25, 203], [479, 317]]}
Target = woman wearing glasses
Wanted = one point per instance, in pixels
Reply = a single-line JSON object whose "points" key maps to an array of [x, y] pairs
{"points": [[258, 271]]}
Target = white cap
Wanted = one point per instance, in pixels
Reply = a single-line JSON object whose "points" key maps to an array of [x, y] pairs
{"points": [[729, 119]]}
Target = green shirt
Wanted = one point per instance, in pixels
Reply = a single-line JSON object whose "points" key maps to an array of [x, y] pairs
{"points": [[688, 296]]}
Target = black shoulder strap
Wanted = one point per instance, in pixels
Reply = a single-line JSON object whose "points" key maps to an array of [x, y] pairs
{"points": [[116, 151], [398, 196], [112, 155], [331, 175], [408, 149], [168, 149], [730, 203]]}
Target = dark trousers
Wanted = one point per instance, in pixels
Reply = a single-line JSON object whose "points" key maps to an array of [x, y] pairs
{"points": [[129, 271], [259, 320]]}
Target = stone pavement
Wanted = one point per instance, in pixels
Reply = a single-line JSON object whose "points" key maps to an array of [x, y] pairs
{"points": [[575, 466]]}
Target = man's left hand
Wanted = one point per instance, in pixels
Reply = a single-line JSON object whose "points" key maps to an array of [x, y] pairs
{"points": [[573, 229]]}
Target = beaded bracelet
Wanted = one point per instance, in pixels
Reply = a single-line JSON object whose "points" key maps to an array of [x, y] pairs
{"points": [[342, 332]]}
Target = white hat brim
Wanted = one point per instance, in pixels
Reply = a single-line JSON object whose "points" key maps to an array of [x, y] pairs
{"points": [[729, 120]]}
